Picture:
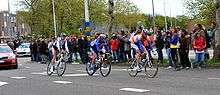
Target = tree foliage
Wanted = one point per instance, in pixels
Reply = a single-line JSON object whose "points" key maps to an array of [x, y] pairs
{"points": [[69, 15], [201, 11]]}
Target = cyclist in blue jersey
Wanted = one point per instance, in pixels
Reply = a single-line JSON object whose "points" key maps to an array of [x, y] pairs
{"points": [[138, 45], [98, 45]]}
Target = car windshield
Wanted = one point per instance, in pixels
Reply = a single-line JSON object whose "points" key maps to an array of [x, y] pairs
{"points": [[24, 46], [5, 49]]}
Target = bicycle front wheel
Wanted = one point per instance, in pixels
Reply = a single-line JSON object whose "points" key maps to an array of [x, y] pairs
{"points": [[151, 68], [105, 68], [90, 69], [132, 69], [49, 69], [61, 68]]}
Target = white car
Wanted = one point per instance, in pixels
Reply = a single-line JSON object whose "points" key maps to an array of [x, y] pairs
{"points": [[24, 50]]}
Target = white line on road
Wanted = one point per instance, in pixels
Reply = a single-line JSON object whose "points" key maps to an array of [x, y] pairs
{"points": [[41, 73], [3, 83], [27, 67], [134, 90], [62, 82], [77, 75], [81, 70], [214, 78], [18, 77], [119, 69]]}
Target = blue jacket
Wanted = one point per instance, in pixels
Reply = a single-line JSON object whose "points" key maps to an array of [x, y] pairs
{"points": [[174, 39]]}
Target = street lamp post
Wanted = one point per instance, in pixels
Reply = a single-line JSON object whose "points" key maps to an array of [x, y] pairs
{"points": [[165, 16], [110, 12], [86, 4], [54, 18], [153, 15]]}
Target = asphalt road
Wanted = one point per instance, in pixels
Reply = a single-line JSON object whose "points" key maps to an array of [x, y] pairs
{"points": [[30, 79]]}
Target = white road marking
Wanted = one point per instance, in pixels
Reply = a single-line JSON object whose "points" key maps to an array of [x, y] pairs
{"points": [[75, 63], [3, 83], [18, 77], [214, 78], [62, 82], [42, 73], [119, 69], [81, 70], [134, 90], [27, 67], [77, 75]]}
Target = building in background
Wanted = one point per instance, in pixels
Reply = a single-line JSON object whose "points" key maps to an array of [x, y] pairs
{"points": [[10, 29]]}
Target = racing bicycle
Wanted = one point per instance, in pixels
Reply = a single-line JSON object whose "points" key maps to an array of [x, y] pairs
{"points": [[102, 62], [60, 64], [148, 65]]}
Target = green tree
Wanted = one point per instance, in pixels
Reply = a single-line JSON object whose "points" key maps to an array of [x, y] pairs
{"points": [[201, 11]]}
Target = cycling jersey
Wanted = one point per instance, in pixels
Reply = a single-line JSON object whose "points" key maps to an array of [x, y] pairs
{"points": [[99, 45], [61, 44], [136, 42]]}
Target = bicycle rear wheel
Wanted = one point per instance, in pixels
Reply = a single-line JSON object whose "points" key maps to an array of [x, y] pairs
{"points": [[105, 68], [49, 67], [90, 69], [132, 69], [61, 67], [151, 68]]}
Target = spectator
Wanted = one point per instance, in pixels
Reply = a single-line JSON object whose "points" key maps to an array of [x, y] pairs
{"points": [[75, 48], [159, 45], [184, 49], [43, 51], [114, 45], [167, 46], [121, 47], [70, 48], [11, 45], [199, 45], [173, 48], [34, 51], [38, 59], [127, 47], [83, 45]]}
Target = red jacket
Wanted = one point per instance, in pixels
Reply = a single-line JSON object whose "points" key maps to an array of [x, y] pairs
{"points": [[199, 43], [114, 44]]}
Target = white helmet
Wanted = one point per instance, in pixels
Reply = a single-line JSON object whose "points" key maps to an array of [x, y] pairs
{"points": [[102, 35]]}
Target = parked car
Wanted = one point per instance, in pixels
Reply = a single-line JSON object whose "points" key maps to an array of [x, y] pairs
{"points": [[7, 57], [24, 50]]}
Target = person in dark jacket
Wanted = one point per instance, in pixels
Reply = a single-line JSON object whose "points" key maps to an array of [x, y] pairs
{"points": [[34, 50], [75, 48], [167, 46], [43, 51], [38, 51], [159, 45], [184, 49], [70, 48], [83, 46]]}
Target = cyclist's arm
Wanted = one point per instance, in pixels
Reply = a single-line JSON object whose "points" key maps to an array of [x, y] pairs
{"points": [[58, 45], [66, 47]]}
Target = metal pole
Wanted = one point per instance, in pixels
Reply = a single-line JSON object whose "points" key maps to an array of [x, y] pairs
{"points": [[165, 15], [110, 11], [9, 21], [171, 19], [86, 4], [153, 15], [54, 18]]}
